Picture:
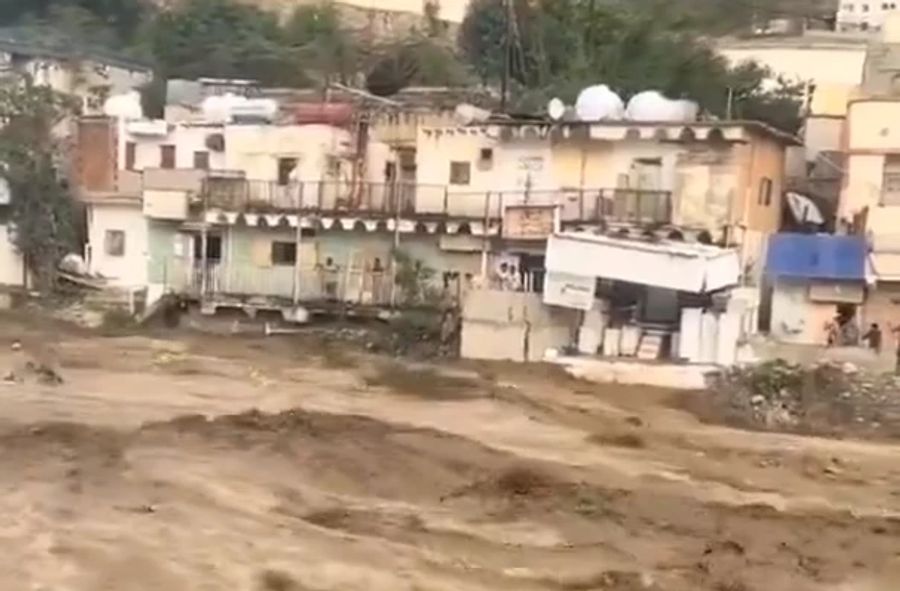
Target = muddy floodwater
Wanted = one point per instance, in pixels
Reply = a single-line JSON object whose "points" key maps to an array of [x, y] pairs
{"points": [[180, 461]]}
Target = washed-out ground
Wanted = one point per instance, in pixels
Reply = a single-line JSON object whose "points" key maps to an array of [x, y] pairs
{"points": [[181, 461]]}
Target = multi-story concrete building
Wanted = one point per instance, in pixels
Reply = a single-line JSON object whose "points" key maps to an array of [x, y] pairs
{"points": [[864, 15], [88, 74], [267, 215], [716, 182]]}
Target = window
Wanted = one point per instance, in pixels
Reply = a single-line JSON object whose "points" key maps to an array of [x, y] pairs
{"points": [[284, 253], [114, 243], [130, 151], [765, 191], [865, 8], [167, 156], [460, 173], [286, 167], [890, 180], [201, 160], [486, 159]]}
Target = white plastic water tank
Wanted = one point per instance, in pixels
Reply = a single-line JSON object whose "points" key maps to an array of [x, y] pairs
{"points": [[217, 109], [265, 109], [124, 106], [651, 105], [598, 103], [224, 108]]}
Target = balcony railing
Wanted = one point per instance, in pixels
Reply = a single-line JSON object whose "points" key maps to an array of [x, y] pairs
{"points": [[353, 286], [439, 201]]}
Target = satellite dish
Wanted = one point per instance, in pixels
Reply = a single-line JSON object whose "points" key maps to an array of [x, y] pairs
{"points": [[556, 109]]}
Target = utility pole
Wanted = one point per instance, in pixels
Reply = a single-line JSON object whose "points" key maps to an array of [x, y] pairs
{"points": [[729, 103], [507, 49]]}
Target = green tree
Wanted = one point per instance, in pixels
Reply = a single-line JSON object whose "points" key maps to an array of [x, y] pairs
{"points": [[118, 19], [416, 60], [317, 42], [41, 211], [557, 47], [219, 38]]}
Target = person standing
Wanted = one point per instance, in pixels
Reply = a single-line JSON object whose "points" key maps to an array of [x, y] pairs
{"points": [[873, 338]]}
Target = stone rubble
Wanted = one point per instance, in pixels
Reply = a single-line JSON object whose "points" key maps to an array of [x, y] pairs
{"points": [[826, 399]]}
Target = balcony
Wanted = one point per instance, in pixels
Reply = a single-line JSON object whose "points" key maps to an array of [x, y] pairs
{"points": [[432, 201], [310, 286]]}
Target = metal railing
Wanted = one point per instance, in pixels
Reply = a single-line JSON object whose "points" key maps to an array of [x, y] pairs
{"points": [[352, 286], [408, 199]]}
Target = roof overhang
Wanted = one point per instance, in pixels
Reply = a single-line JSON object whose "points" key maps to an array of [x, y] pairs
{"points": [[679, 266]]}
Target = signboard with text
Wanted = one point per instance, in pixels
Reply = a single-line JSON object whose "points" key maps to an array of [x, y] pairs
{"points": [[569, 291], [529, 222]]}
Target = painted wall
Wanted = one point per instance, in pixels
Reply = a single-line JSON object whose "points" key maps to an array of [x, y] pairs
{"points": [[831, 100], [605, 164], [871, 124], [512, 166], [11, 264], [255, 149], [187, 139], [822, 62], [754, 218], [795, 318], [872, 133], [130, 269], [822, 133], [882, 307], [762, 158], [707, 189], [169, 256], [403, 128]]}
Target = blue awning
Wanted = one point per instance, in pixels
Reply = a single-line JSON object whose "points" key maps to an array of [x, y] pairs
{"points": [[817, 256]]}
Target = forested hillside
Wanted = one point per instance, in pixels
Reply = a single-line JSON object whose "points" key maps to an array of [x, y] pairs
{"points": [[548, 47]]}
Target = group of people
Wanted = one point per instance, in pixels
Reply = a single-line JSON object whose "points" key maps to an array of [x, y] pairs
{"points": [[844, 332], [874, 339]]}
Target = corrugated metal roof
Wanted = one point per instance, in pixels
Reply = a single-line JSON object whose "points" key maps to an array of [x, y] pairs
{"points": [[817, 256]]}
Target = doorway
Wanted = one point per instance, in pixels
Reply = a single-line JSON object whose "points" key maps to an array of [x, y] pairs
{"points": [[532, 268], [213, 248], [213, 262]]}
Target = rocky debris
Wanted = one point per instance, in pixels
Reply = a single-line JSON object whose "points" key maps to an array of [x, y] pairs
{"points": [[824, 399], [416, 335], [27, 367], [44, 374]]}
